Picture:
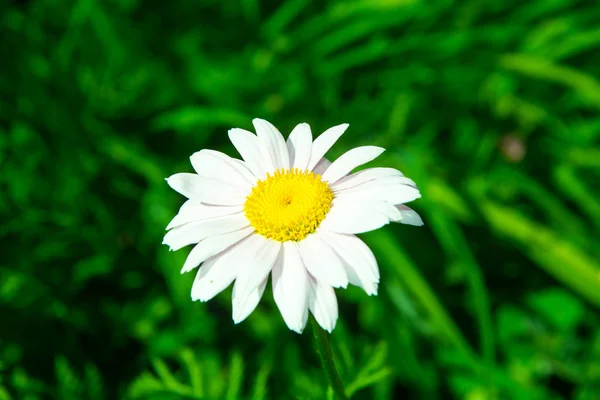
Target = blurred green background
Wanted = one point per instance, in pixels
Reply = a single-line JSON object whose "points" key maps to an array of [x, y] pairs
{"points": [[491, 107]]}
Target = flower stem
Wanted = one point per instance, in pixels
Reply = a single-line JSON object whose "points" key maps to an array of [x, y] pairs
{"points": [[324, 351]]}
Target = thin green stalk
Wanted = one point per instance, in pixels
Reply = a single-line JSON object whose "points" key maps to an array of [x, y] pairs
{"points": [[324, 351]]}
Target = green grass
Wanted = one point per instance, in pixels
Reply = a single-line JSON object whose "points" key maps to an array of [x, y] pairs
{"points": [[491, 107]]}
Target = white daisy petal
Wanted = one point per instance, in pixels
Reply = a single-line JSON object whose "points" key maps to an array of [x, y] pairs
{"points": [[194, 232], [246, 143], [273, 145], [305, 320], [366, 175], [350, 205], [196, 211], [323, 143], [350, 160], [359, 261], [257, 258], [352, 217], [213, 245], [323, 304], [219, 271], [387, 181], [322, 262], [207, 190], [321, 166], [299, 146], [189, 185], [189, 203], [409, 216], [290, 287], [214, 276], [243, 306], [382, 189], [206, 162]]}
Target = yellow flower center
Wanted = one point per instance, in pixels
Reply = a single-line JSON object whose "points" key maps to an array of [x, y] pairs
{"points": [[289, 205]]}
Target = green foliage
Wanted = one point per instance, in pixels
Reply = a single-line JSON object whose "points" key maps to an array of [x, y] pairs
{"points": [[491, 107]]}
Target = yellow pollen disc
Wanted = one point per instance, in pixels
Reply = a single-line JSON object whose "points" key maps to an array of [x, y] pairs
{"points": [[288, 205]]}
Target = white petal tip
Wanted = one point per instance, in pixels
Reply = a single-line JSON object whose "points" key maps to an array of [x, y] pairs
{"points": [[232, 132], [236, 314], [380, 150], [370, 288], [412, 219], [338, 285], [296, 326], [329, 327], [199, 297], [298, 331]]}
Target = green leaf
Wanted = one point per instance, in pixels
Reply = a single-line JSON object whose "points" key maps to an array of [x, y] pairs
{"points": [[236, 375], [586, 85], [4, 394], [559, 307], [168, 379], [260, 390], [194, 371], [512, 323], [555, 254]]}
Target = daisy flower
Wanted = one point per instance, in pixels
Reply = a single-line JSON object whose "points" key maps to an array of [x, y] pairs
{"points": [[287, 211]]}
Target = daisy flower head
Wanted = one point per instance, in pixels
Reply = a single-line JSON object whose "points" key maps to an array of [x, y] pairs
{"points": [[285, 210]]}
